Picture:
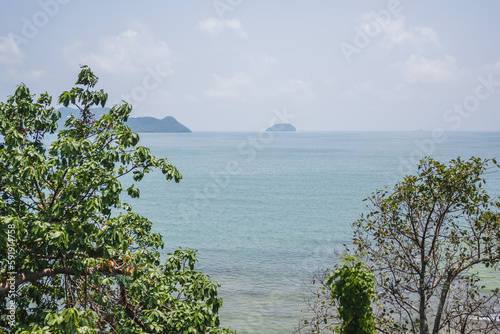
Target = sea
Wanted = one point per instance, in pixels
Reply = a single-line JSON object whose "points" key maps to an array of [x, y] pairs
{"points": [[266, 211]]}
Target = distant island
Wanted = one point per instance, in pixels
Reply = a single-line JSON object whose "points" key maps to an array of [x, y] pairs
{"points": [[151, 124], [282, 127], [137, 124]]}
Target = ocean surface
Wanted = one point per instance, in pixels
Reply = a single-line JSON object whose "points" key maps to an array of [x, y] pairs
{"points": [[267, 210]]}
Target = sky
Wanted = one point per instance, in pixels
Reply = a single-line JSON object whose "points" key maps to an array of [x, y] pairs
{"points": [[241, 65]]}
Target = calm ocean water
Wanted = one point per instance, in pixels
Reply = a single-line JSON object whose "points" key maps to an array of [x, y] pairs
{"points": [[266, 210]]}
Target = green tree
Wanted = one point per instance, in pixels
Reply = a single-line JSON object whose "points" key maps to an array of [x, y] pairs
{"points": [[343, 301], [74, 258], [426, 241], [352, 285]]}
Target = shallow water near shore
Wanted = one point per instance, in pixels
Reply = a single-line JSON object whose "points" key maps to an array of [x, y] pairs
{"points": [[265, 211]]}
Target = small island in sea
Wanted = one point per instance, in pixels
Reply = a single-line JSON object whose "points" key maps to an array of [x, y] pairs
{"points": [[137, 124], [282, 127]]}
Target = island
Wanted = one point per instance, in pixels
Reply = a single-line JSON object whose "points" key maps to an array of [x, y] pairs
{"points": [[282, 127], [151, 124], [137, 124]]}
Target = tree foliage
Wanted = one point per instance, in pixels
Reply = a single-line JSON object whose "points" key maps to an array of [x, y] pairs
{"points": [[425, 240], [352, 285], [342, 300], [75, 258]]}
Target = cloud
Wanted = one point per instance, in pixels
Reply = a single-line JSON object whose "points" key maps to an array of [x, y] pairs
{"points": [[423, 70], [27, 76], [393, 32], [423, 35], [214, 27], [263, 59], [397, 34], [416, 69], [128, 52], [9, 50], [227, 88]]}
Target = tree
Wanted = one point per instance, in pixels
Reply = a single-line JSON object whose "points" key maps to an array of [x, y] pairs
{"points": [[352, 286], [75, 258], [343, 301], [425, 241]]}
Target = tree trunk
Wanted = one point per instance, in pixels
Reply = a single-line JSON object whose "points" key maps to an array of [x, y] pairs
{"points": [[424, 325], [442, 300]]}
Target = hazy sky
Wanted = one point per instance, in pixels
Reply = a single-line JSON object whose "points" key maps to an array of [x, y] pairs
{"points": [[230, 65]]}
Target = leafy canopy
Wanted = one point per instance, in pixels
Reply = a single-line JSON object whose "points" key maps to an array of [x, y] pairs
{"points": [[426, 241], [423, 241], [79, 260]]}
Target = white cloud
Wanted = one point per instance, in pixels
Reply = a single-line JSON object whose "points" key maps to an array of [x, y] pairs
{"points": [[9, 50], [421, 69], [214, 27], [393, 32], [263, 58], [227, 88], [425, 35], [416, 69], [27, 76], [128, 52]]}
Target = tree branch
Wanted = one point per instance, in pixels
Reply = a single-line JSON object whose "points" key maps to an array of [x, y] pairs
{"points": [[130, 312], [27, 276]]}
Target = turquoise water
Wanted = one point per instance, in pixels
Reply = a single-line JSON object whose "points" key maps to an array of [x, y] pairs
{"points": [[266, 210]]}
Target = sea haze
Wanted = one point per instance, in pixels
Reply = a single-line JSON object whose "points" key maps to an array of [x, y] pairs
{"points": [[266, 210]]}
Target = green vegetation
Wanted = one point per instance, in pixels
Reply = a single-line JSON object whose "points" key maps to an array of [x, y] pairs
{"points": [[423, 242], [342, 303], [79, 260], [352, 286]]}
